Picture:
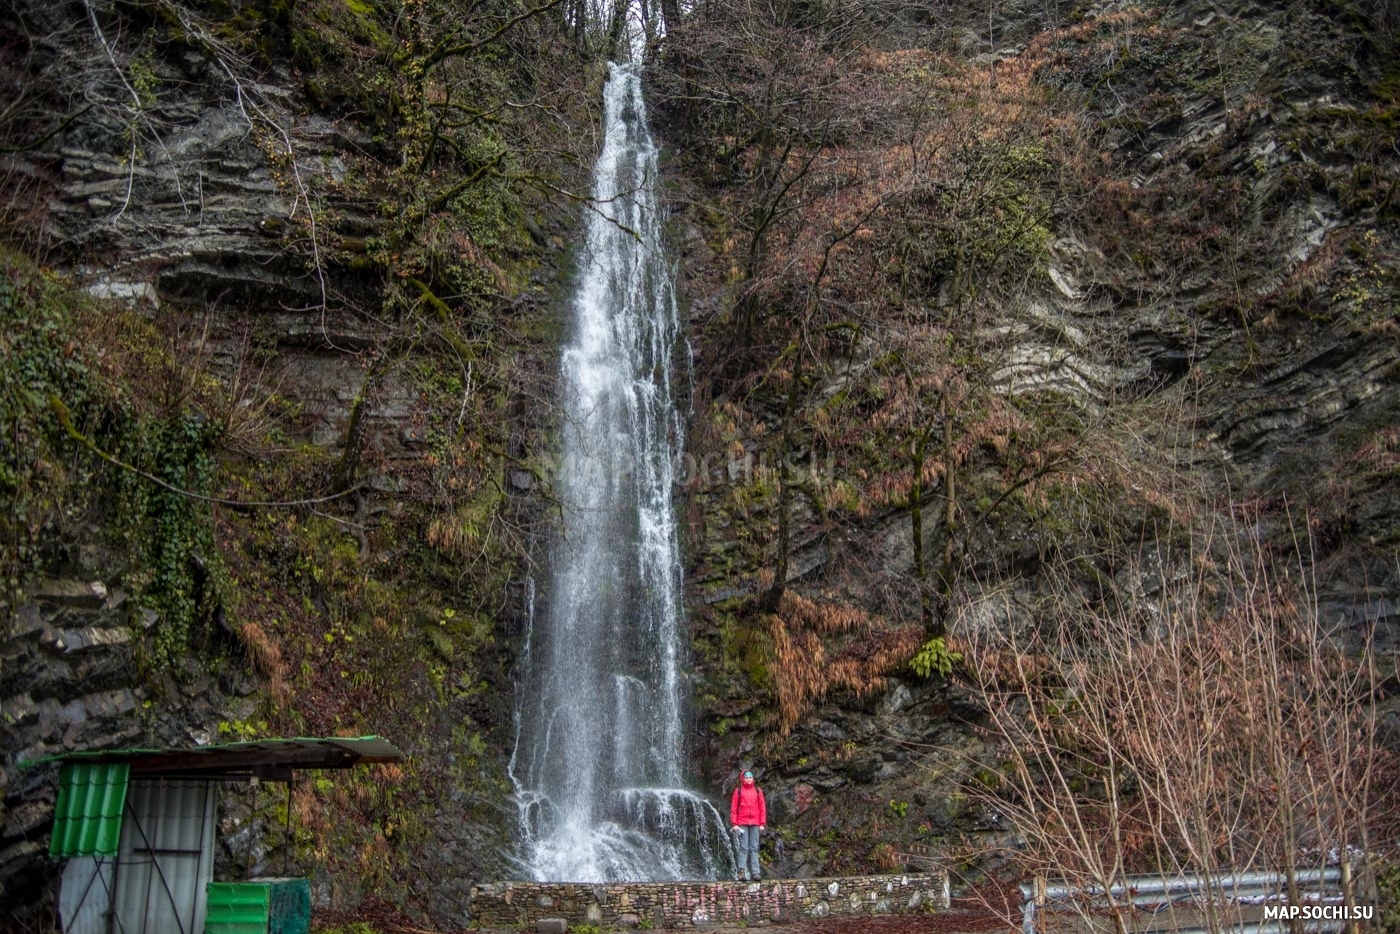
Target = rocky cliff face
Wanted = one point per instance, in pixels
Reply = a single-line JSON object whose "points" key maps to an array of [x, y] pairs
{"points": [[1215, 302], [269, 215], [264, 236], [71, 683], [239, 212]]}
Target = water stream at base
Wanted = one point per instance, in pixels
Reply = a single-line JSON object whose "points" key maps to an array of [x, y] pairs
{"points": [[598, 764]]}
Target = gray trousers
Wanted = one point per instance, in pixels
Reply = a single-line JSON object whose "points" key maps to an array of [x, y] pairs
{"points": [[746, 851]]}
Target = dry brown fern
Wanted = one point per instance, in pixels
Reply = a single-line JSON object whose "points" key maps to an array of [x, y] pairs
{"points": [[805, 668]]}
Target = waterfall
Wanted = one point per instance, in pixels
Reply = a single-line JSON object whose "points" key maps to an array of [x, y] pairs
{"points": [[598, 761]]}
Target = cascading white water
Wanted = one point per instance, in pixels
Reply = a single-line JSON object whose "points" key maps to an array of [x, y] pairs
{"points": [[598, 763]]}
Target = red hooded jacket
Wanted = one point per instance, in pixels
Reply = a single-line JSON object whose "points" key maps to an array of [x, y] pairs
{"points": [[747, 808]]}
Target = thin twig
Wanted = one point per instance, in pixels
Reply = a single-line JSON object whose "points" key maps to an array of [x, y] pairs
{"points": [[61, 411], [136, 108]]}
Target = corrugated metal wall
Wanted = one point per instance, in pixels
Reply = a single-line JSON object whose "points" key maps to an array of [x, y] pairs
{"points": [[85, 894], [166, 858], [87, 818], [239, 908]]}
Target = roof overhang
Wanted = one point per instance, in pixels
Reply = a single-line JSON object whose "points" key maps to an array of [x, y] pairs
{"points": [[268, 759]]}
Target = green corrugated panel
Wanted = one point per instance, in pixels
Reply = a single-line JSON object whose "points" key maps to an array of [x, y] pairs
{"points": [[237, 908], [87, 820], [291, 906]]}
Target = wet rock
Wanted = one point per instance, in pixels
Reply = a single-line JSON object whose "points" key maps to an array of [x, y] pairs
{"points": [[89, 638], [826, 780], [864, 770], [27, 818], [17, 711], [73, 593], [28, 619], [897, 698]]}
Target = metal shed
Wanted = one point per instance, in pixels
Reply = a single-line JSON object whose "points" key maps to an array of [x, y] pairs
{"points": [[137, 826]]}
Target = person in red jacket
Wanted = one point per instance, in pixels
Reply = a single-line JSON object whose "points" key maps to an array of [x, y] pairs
{"points": [[748, 814]]}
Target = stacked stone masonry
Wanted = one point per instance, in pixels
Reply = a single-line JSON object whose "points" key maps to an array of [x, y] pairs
{"points": [[696, 904], [69, 681]]}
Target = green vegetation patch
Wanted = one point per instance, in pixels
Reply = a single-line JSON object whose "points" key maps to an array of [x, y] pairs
{"points": [[40, 479], [86, 385]]}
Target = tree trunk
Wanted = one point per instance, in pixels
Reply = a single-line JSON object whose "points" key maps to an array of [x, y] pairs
{"points": [[950, 514], [774, 596], [916, 530], [618, 48], [343, 475], [670, 14]]}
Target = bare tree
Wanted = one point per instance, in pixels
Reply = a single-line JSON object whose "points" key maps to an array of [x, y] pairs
{"points": [[1212, 723], [756, 93]]}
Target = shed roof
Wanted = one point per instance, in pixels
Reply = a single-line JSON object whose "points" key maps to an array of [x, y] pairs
{"points": [[265, 758]]}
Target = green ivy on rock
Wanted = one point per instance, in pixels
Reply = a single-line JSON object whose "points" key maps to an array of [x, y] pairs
{"points": [[169, 537], [41, 479], [62, 360]]}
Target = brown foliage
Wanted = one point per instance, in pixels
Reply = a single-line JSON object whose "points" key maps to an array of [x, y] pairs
{"points": [[823, 617], [805, 668], [267, 659]]}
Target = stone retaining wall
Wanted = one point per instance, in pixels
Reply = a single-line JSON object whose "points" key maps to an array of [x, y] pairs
{"points": [[692, 904]]}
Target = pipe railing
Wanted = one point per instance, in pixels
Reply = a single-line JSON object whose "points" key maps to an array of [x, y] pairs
{"points": [[1159, 893]]}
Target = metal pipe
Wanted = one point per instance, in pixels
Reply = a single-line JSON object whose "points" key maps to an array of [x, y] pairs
{"points": [[1244, 895], [1146, 885], [1143, 900], [1141, 891]]}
